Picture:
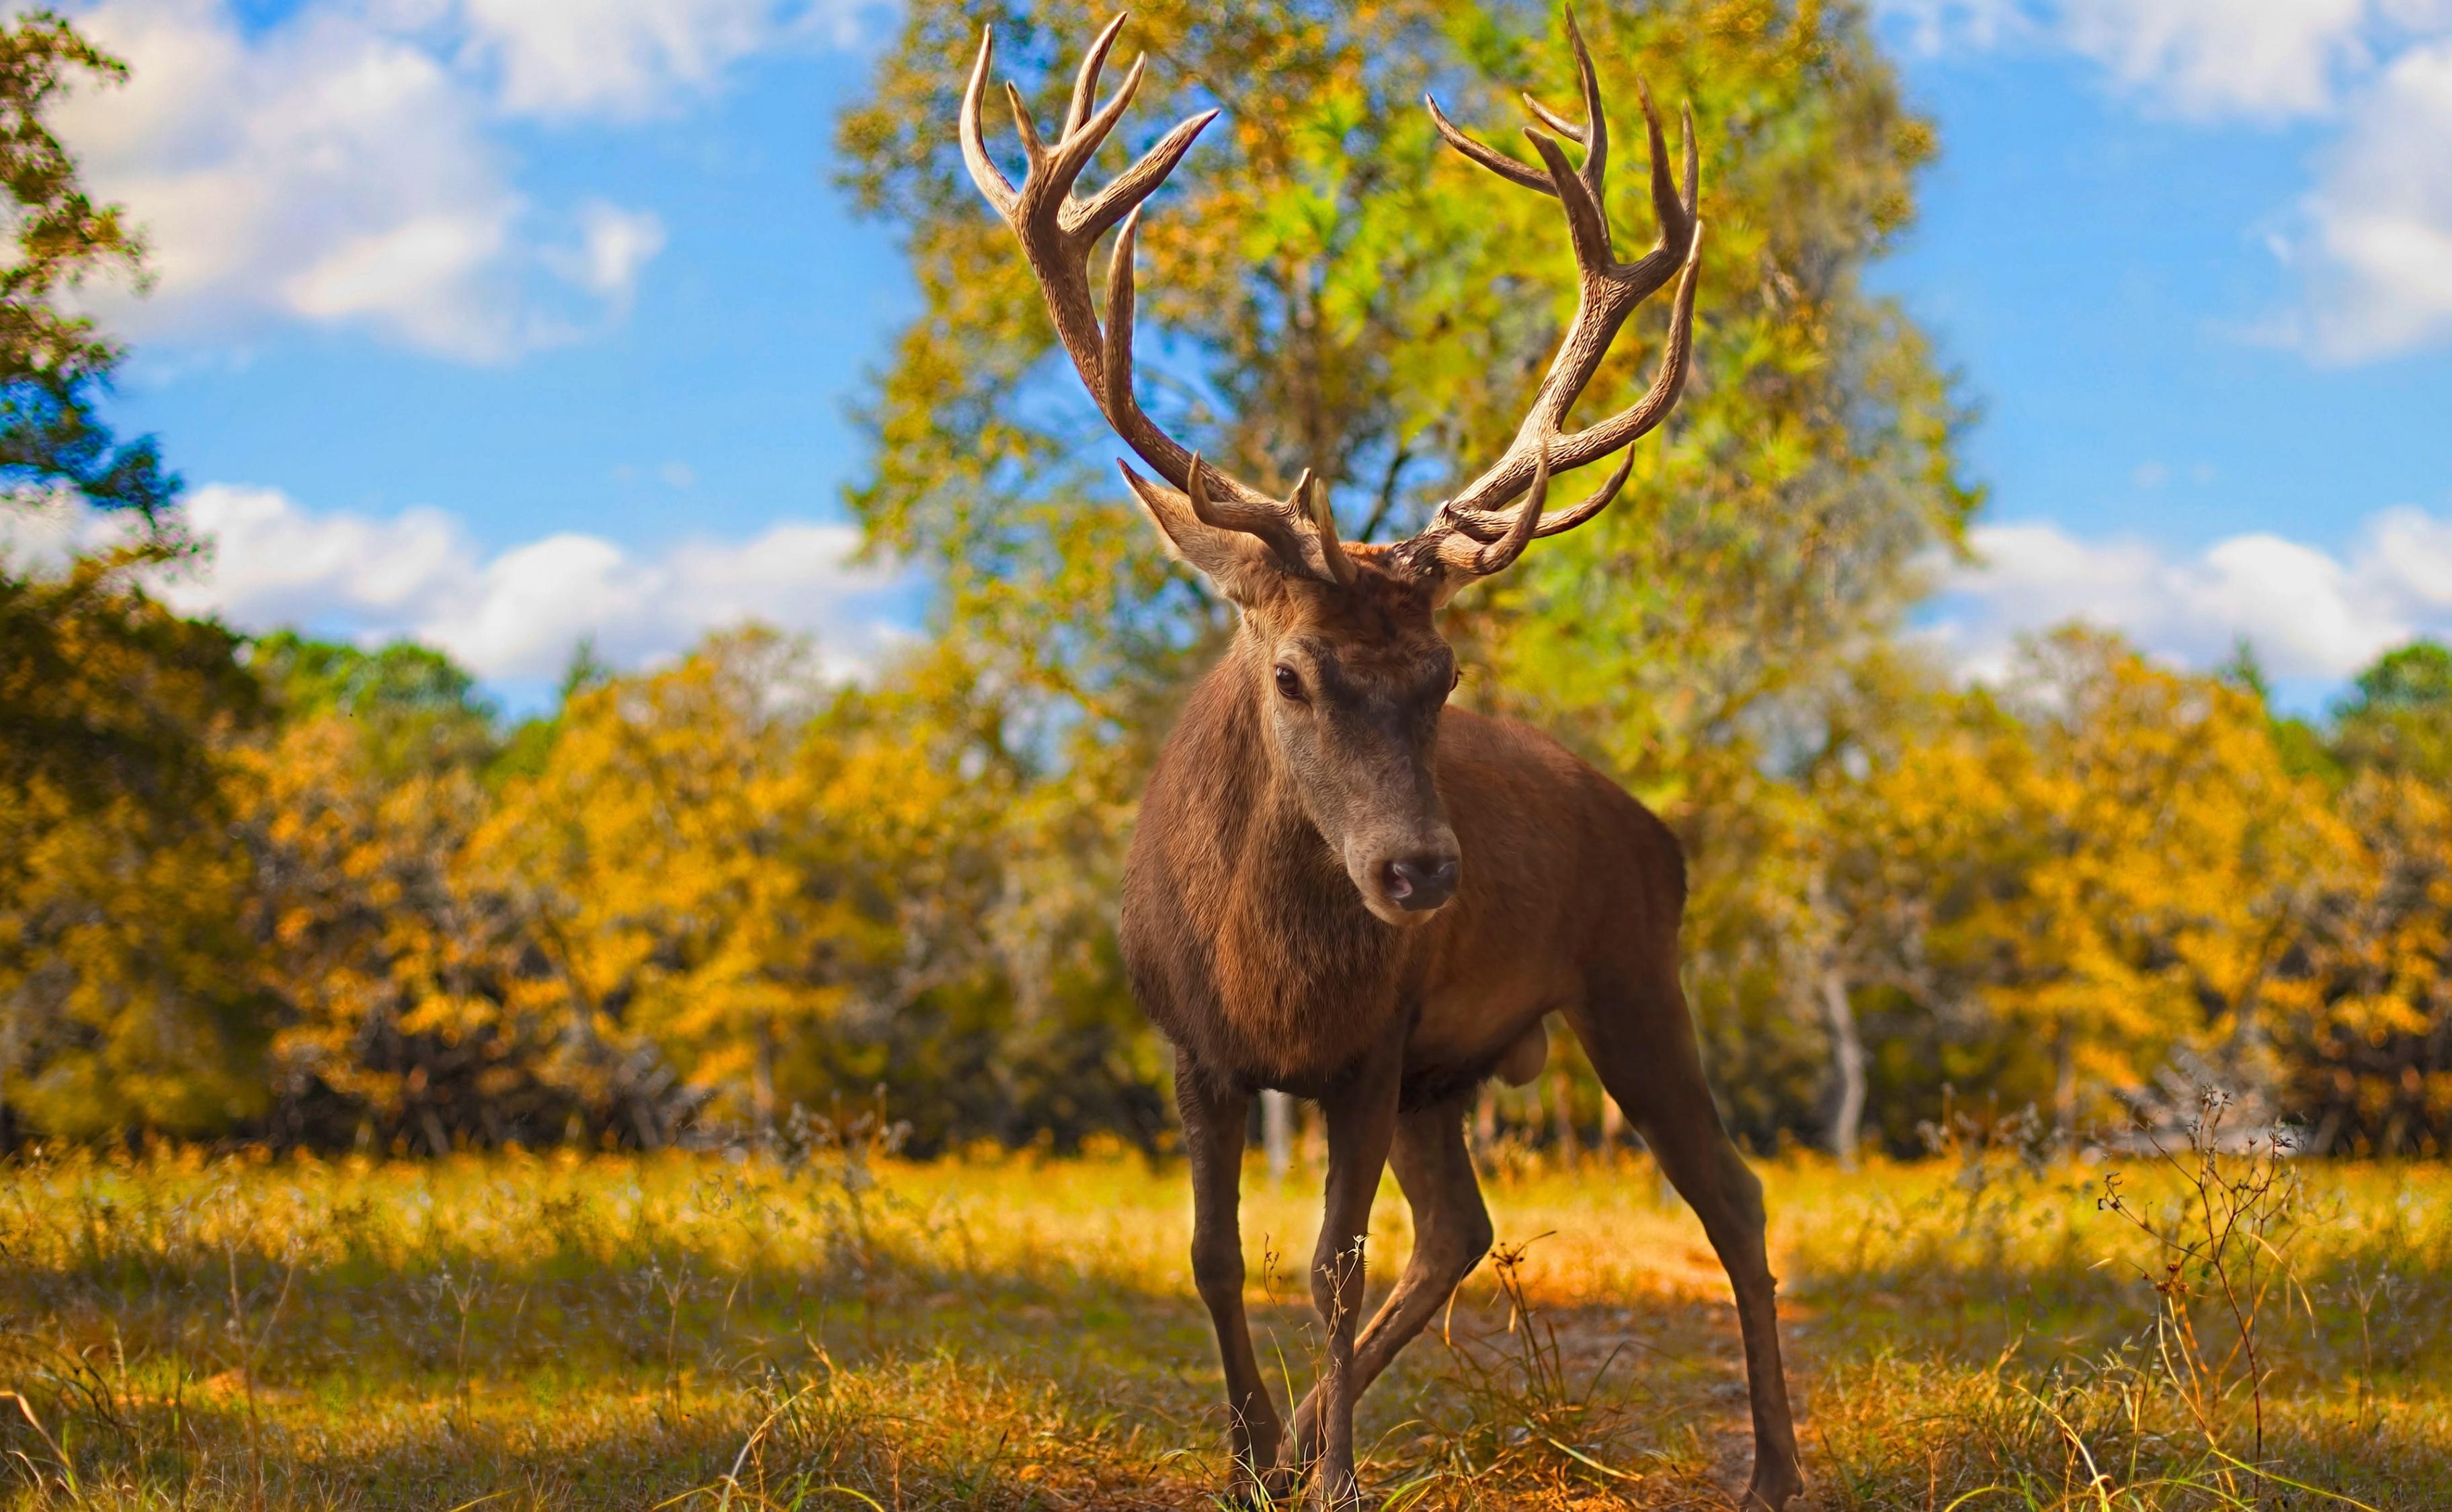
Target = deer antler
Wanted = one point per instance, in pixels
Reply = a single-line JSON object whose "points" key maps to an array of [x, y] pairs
{"points": [[1475, 526], [1057, 231]]}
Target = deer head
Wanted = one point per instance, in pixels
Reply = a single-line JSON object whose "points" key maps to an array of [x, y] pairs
{"points": [[1341, 639]]}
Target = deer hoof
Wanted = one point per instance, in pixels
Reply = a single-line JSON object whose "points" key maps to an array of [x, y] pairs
{"points": [[1271, 1490], [1773, 1487]]}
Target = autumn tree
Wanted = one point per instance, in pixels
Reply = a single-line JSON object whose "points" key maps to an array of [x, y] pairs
{"points": [[2106, 861], [2368, 1037], [127, 996], [1329, 287]]}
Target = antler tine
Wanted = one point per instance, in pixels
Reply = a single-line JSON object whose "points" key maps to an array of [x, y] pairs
{"points": [[984, 172], [1116, 341], [1292, 529], [1072, 153], [1598, 499], [1057, 231], [1138, 182], [1595, 442], [1676, 212], [1477, 520], [1028, 129], [1595, 133], [1323, 525], [1587, 220], [1456, 552], [1492, 524], [1085, 82], [1490, 158]]}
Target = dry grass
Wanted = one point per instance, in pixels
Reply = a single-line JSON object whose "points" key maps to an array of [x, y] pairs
{"points": [[694, 1330]]}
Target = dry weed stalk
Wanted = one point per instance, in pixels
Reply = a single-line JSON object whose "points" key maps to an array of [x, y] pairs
{"points": [[2224, 1242], [1528, 1421]]}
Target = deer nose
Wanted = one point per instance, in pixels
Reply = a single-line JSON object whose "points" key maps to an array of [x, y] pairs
{"points": [[1419, 882]]}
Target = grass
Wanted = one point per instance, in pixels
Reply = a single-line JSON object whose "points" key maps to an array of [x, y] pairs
{"points": [[1986, 1329]]}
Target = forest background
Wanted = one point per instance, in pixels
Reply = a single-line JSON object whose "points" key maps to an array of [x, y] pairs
{"points": [[270, 889]]}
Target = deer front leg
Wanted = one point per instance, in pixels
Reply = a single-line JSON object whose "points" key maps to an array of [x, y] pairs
{"points": [[1450, 1235], [1213, 1136], [1361, 1123]]}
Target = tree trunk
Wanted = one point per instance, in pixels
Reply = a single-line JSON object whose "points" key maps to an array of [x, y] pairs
{"points": [[761, 1075], [1277, 1132], [1562, 1104], [2065, 1086], [1485, 1119], [1847, 1066]]}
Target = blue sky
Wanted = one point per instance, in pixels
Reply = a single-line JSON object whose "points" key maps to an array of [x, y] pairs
{"points": [[502, 323]]}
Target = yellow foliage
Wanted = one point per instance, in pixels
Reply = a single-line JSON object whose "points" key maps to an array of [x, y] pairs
{"points": [[2123, 872], [714, 866], [127, 994]]}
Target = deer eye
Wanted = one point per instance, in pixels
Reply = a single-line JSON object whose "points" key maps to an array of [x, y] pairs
{"points": [[1290, 684]]}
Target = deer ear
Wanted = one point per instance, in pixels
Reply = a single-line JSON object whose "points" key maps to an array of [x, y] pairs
{"points": [[1237, 563]]}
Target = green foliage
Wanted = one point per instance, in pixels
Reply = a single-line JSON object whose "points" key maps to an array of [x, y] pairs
{"points": [[1326, 286], [417, 709], [2401, 717], [54, 363]]}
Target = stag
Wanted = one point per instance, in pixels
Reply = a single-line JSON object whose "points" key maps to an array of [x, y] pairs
{"points": [[1341, 889]]}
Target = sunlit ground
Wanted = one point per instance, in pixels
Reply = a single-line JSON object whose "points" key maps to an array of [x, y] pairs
{"points": [[618, 1332]]}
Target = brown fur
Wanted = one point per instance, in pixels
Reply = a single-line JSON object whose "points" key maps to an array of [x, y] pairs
{"points": [[1251, 945]]}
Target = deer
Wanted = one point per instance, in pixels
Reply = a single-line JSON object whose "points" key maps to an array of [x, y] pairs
{"points": [[1342, 888]]}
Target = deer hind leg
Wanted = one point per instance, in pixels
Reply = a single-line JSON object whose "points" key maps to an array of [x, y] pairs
{"points": [[1451, 1234], [1212, 1138], [1642, 1043]]}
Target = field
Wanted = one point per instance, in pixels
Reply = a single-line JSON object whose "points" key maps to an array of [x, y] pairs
{"points": [[839, 1329]]}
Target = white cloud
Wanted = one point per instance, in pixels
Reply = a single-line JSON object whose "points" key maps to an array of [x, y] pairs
{"points": [[519, 613], [2311, 615], [562, 58], [339, 168], [1935, 26], [2374, 236], [331, 171], [2261, 58], [2383, 217], [2215, 57], [614, 246]]}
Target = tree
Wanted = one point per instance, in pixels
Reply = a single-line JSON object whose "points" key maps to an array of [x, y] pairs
{"points": [[798, 893], [418, 711], [128, 996], [411, 1011], [54, 365], [2399, 718], [1329, 287], [2368, 1033], [2112, 861]]}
